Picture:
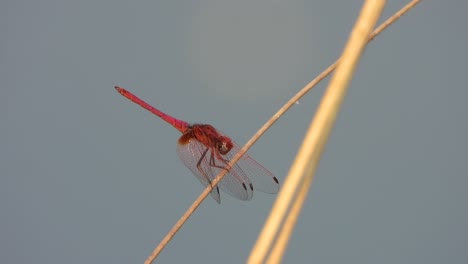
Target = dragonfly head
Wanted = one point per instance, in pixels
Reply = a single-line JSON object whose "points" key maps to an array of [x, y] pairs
{"points": [[224, 145]]}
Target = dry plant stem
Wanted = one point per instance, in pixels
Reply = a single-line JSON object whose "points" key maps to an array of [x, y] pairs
{"points": [[188, 213], [303, 169], [261, 131], [276, 253], [288, 190]]}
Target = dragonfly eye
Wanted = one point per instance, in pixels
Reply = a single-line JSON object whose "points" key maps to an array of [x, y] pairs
{"points": [[224, 147]]}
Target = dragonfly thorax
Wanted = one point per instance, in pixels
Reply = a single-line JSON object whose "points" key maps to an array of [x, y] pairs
{"points": [[208, 136]]}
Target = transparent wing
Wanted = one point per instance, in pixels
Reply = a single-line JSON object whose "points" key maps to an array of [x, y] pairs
{"points": [[235, 184], [190, 154], [242, 179], [262, 179]]}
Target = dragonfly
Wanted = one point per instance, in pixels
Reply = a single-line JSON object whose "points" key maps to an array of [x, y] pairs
{"points": [[206, 151]]}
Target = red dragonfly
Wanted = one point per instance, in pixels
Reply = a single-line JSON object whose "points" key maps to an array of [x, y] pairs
{"points": [[206, 151]]}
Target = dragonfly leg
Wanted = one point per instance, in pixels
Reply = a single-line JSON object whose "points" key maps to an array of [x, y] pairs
{"points": [[226, 167], [203, 172], [213, 162]]}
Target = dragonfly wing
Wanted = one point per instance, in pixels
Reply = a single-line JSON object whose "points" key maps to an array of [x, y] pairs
{"points": [[234, 183], [190, 154], [262, 179]]}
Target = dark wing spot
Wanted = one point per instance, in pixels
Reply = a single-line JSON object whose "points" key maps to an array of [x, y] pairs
{"points": [[276, 180], [217, 190], [243, 185], [251, 186]]}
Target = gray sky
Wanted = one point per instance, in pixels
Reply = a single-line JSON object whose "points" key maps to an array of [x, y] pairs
{"points": [[89, 177]]}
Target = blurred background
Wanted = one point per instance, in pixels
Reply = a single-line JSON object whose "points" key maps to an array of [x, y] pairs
{"points": [[89, 177]]}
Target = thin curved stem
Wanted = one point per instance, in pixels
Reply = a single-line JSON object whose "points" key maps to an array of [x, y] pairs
{"points": [[261, 131]]}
